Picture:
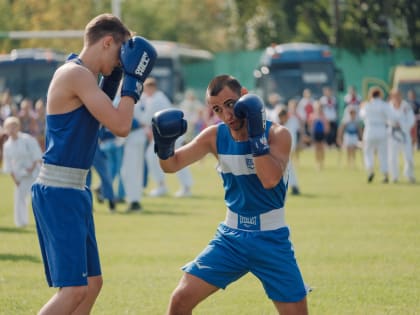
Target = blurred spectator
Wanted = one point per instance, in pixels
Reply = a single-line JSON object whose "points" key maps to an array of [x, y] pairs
{"points": [[375, 114], [283, 119], [330, 108], [155, 100], [273, 107], [201, 122], [14, 110], [40, 122], [27, 117], [133, 159], [7, 106], [113, 148], [192, 109], [352, 97], [3, 138], [400, 137], [22, 157], [415, 105], [297, 126], [319, 128], [349, 134], [304, 109], [105, 189]]}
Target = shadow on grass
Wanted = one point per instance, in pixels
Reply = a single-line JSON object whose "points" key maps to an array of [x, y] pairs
{"points": [[4, 229], [14, 257]]}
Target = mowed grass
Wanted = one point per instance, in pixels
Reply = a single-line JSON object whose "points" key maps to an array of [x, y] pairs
{"points": [[358, 246]]}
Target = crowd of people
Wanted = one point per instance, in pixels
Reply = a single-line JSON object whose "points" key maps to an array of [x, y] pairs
{"points": [[131, 161], [377, 126], [124, 165], [22, 135], [125, 127]]}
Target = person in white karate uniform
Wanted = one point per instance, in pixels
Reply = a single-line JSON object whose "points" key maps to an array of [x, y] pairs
{"points": [[154, 100], [375, 114], [400, 137], [22, 158]]}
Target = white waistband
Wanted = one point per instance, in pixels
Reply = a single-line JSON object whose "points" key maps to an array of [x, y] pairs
{"points": [[61, 176], [271, 220]]}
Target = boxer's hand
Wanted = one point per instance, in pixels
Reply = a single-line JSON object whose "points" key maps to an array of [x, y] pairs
{"points": [[168, 125], [109, 84], [137, 57], [251, 108]]}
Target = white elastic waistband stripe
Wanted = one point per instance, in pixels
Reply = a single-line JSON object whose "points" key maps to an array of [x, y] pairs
{"points": [[61, 176], [271, 220]]}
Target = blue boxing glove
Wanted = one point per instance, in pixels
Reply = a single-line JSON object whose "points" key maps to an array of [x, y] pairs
{"points": [[137, 57], [109, 84], [168, 125], [251, 107]]}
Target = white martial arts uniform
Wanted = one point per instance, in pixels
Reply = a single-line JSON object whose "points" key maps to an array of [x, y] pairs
{"points": [[152, 104], [132, 166], [375, 115], [19, 156], [293, 125], [400, 140]]}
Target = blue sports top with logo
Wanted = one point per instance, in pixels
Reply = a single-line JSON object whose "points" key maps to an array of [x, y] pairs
{"points": [[244, 193]]}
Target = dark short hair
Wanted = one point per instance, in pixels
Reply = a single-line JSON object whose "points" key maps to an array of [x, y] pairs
{"points": [[103, 25], [219, 82], [375, 91], [283, 112]]}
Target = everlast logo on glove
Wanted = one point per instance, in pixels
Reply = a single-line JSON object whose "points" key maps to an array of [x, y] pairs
{"points": [[142, 66]]}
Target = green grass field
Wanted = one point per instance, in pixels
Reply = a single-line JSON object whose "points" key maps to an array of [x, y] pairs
{"points": [[358, 246]]}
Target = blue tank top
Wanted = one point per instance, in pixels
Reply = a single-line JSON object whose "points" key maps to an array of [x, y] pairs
{"points": [[351, 128], [318, 126], [244, 192], [71, 138]]}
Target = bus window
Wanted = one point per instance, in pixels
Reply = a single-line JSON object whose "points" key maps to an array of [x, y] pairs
{"points": [[168, 74], [28, 72], [170, 67], [288, 69]]}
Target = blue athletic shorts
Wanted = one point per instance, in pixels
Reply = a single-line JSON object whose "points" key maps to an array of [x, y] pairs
{"points": [[66, 234], [269, 255]]}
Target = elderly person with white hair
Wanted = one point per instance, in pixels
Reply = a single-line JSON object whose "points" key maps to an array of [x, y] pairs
{"points": [[21, 159]]}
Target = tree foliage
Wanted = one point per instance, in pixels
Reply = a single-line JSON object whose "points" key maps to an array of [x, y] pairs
{"points": [[223, 25]]}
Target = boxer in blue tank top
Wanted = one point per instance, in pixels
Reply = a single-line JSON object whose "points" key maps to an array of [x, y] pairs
{"points": [[76, 106], [253, 156]]}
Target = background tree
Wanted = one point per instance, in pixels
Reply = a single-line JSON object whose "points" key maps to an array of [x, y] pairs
{"points": [[411, 11], [223, 25]]}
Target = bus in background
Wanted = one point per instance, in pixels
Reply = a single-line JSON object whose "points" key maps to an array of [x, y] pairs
{"points": [[28, 72], [406, 77], [170, 67], [288, 69]]}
